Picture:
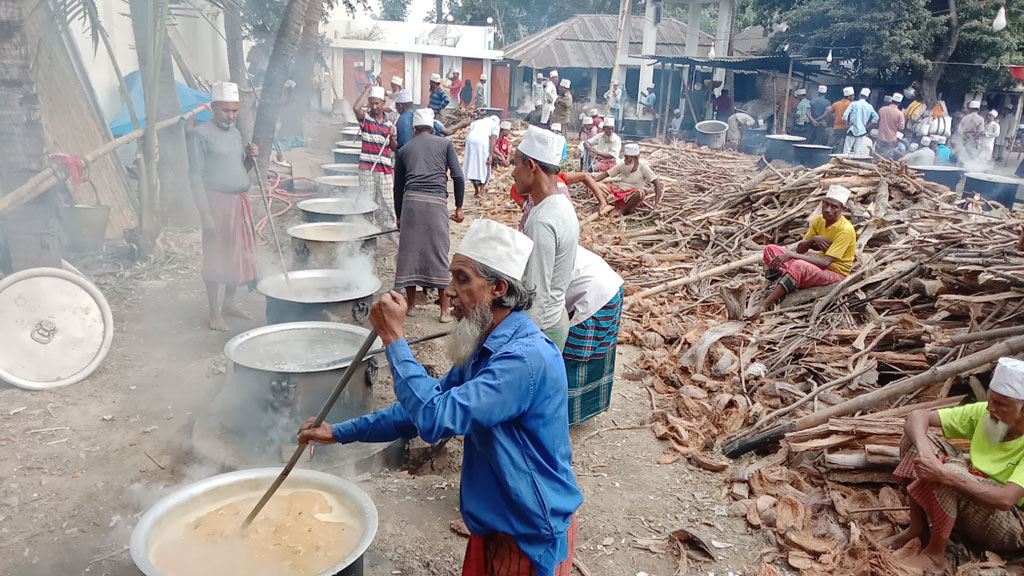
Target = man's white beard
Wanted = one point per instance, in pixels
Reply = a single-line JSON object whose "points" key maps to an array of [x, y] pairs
{"points": [[995, 430], [467, 335]]}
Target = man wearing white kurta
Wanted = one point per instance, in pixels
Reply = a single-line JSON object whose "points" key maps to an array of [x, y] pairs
{"points": [[550, 96], [476, 160]]}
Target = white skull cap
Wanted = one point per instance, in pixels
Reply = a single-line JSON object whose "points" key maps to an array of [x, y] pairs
{"points": [[435, 77], [541, 145], [225, 92], [1008, 378], [838, 193], [377, 92], [974, 105], [631, 149], [498, 247], [397, 80], [848, 91], [423, 117], [865, 92], [822, 89]]}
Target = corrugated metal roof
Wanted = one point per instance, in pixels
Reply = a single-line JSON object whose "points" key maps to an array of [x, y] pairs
{"points": [[746, 63], [588, 41]]}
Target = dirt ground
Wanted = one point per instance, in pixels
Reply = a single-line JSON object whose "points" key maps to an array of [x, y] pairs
{"points": [[80, 464]]}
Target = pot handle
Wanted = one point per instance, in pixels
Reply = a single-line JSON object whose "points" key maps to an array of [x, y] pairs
{"points": [[282, 391], [360, 311], [371, 369], [301, 251]]}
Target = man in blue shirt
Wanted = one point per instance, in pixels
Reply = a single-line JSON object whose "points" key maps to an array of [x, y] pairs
{"points": [[821, 132], [859, 115], [439, 99], [406, 109], [507, 392], [943, 153]]}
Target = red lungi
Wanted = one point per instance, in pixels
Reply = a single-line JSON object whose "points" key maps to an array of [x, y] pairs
{"points": [[621, 194], [229, 254], [605, 165], [805, 274], [497, 554]]}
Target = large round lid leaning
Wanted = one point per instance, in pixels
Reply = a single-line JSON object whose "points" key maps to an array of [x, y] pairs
{"points": [[55, 328]]}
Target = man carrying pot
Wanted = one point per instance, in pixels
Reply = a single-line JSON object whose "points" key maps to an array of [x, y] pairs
{"points": [[507, 392]]}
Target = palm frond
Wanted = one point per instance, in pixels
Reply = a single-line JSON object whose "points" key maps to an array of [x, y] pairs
{"points": [[67, 11]]}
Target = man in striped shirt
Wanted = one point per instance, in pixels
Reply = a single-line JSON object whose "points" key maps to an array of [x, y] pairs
{"points": [[376, 170], [438, 97]]}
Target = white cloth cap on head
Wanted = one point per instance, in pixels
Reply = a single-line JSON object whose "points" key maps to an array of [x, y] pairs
{"points": [[974, 105], [435, 77], [631, 149], [848, 91], [423, 117], [483, 76], [993, 113], [865, 91], [556, 126], [506, 125], [838, 193], [377, 92], [553, 73], [910, 92], [897, 97], [800, 92], [899, 135], [608, 122], [403, 97], [540, 76], [592, 112], [396, 80], [225, 92], [914, 145], [940, 139], [541, 145], [565, 83], [926, 141], [874, 132], [677, 111], [1008, 378], [538, 103], [588, 121], [822, 89], [887, 98], [498, 247]]}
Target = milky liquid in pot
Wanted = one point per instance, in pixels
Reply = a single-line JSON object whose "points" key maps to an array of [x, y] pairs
{"points": [[300, 533]]}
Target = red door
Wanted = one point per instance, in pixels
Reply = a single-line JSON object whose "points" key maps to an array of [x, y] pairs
{"points": [[350, 88], [500, 89], [391, 64], [471, 70], [428, 65]]}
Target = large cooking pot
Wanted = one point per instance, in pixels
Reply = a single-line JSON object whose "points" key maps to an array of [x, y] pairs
{"points": [[947, 175], [319, 295], [812, 155], [337, 210], [340, 169], [282, 374], [342, 186], [1001, 189], [176, 511], [347, 155], [854, 157], [780, 147], [350, 135], [321, 245], [711, 133], [754, 140]]}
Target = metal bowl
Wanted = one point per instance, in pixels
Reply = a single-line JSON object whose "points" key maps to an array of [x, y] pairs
{"points": [[185, 504], [324, 295], [337, 209]]}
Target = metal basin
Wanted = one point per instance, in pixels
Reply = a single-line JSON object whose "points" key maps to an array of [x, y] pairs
{"points": [[337, 210], [948, 176], [350, 135], [340, 169], [173, 512], [341, 186], [321, 245], [1000, 189], [812, 155], [319, 295], [347, 155], [780, 147]]}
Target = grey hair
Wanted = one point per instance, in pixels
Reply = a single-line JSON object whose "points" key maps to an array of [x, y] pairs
{"points": [[517, 297]]}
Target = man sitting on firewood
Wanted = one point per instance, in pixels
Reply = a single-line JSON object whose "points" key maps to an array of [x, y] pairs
{"points": [[833, 238], [979, 493]]}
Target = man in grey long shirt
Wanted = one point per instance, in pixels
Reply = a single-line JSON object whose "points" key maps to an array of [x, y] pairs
{"points": [[421, 203], [218, 174], [553, 227]]}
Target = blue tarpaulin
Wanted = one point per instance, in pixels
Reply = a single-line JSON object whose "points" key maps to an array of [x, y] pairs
{"points": [[187, 97]]}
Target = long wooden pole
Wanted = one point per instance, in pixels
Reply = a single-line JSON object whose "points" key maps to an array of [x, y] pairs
{"points": [[623, 22], [698, 276], [785, 111]]}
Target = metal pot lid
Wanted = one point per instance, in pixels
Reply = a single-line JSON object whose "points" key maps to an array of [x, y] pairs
{"points": [[338, 206], [812, 146], [339, 181], [996, 179], [351, 131], [55, 328], [785, 137], [297, 347], [319, 286], [349, 167], [938, 168], [332, 231]]}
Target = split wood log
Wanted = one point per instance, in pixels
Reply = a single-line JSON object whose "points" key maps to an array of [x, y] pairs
{"points": [[696, 355], [603, 212], [734, 294], [986, 335], [749, 260]]}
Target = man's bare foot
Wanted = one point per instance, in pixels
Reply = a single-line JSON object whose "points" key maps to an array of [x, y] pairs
{"points": [[411, 312], [930, 564], [445, 319], [235, 312], [900, 539], [218, 324], [460, 528]]}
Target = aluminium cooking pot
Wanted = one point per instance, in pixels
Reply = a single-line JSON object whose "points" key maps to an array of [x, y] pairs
{"points": [[945, 174], [322, 245], [812, 155], [998, 189], [319, 295], [339, 186], [780, 147], [337, 210], [347, 154], [341, 170]]}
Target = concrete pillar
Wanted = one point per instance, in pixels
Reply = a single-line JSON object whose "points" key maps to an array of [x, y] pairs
{"points": [[723, 36], [692, 36], [652, 15]]}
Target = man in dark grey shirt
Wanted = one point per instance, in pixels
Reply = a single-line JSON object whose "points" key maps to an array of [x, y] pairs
{"points": [[421, 203], [218, 174]]}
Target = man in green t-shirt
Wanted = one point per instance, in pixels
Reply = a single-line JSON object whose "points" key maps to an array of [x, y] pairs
{"points": [[979, 493]]}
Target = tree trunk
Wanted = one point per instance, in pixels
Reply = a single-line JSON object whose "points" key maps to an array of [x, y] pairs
{"points": [[237, 70], [930, 82], [174, 197], [302, 73], [439, 10], [20, 121], [278, 68]]}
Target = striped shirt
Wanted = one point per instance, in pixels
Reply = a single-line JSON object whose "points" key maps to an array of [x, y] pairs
{"points": [[438, 100], [376, 135]]}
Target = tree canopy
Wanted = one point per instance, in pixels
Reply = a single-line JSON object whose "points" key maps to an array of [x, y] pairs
{"points": [[394, 10]]}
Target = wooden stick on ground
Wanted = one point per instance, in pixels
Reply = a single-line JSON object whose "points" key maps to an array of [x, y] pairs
{"points": [[698, 276]]}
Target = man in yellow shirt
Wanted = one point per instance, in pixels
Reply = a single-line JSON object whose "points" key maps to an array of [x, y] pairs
{"points": [[834, 239], [980, 494]]}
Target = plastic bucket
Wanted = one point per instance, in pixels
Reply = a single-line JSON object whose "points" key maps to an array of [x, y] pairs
{"points": [[711, 133]]}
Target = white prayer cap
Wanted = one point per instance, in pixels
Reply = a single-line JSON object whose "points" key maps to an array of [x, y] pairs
{"points": [[396, 80], [225, 92], [377, 92], [631, 149], [897, 97], [541, 145], [887, 98], [848, 91], [553, 73], [914, 145], [498, 247], [403, 97], [677, 111], [822, 89], [435, 77], [865, 92], [556, 127], [423, 117], [910, 92], [926, 141], [800, 92], [483, 77], [899, 135], [874, 132], [940, 139], [838, 193], [993, 113], [608, 122], [565, 83], [538, 103], [974, 105], [1008, 378], [540, 75], [588, 121], [506, 125], [592, 112]]}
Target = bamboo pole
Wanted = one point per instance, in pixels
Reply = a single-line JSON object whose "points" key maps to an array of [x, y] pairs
{"points": [[698, 276], [623, 22], [785, 111]]}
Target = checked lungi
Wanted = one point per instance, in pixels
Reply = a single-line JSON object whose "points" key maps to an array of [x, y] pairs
{"points": [[589, 357], [382, 186], [805, 274], [229, 251], [424, 242], [497, 554], [945, 506]]}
